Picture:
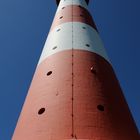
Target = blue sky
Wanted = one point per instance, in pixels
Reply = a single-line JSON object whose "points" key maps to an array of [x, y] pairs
{"points": [[24, 25]]}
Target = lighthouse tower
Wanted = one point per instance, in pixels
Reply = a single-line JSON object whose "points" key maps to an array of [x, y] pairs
{"points": [[74, 94]]}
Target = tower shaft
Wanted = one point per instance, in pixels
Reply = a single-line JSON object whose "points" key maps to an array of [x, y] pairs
{"points": [[74, 93]]}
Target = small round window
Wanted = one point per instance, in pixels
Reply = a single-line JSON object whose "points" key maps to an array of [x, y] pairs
{"points": [[41, 111], [93, 70], [54, 47], [79, 6], [100, 107], [87, 45], [49, 73], [61, 17], [58, 30]]}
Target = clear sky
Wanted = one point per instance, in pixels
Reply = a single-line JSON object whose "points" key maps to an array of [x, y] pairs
{"points": [[24, 25]]}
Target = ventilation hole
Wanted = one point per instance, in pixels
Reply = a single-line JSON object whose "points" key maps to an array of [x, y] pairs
{"points": [[100, 107], [87, 45], [58, 30], [63, 7], [61, 17], [41, 111], [49, 73], [84, 27], [93, 70], [54, 47]]}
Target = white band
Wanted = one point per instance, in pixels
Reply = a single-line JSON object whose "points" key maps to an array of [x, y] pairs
{"points": [[74, 35]]}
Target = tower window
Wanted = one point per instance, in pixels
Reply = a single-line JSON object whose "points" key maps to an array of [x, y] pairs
{"points": [[100, 107], [41, 111], [58, 30], [61, 17], [87, 45], [54, 47], [49, 73], [80, 6], [93, 70], [81, 15]]}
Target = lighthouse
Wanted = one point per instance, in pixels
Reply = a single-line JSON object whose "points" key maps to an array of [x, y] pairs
{"points": [[74, 94]]}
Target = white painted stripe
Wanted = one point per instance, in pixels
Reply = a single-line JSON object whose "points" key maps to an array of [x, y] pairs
{"points": [[87, 38], [62, 39], [83, 39], [64, 3]]}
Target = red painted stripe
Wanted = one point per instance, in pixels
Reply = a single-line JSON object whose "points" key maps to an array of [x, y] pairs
{"points": [[99, 109], [73, 13]]}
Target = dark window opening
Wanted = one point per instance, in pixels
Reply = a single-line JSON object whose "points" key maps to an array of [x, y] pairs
{"points": [[63, 7], [58, 30], [41, 111], [87, 45], [93, 70], [49, 73], [84, 27], [54, 47], [80, 6], [100, 107], [61, 17]]}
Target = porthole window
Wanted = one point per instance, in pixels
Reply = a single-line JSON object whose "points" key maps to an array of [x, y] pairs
{"points": [[54, 47], [58, 30], [61, 17], [100, 107], [41, 111], [87, 45], [49, 73], [80, 6], [93, 70]]}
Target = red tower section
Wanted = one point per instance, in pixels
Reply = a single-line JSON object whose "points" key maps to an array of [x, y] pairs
{"points": [[74, 93]]}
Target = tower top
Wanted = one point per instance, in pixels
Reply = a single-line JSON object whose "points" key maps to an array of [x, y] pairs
{"points": [[57, 1]]}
